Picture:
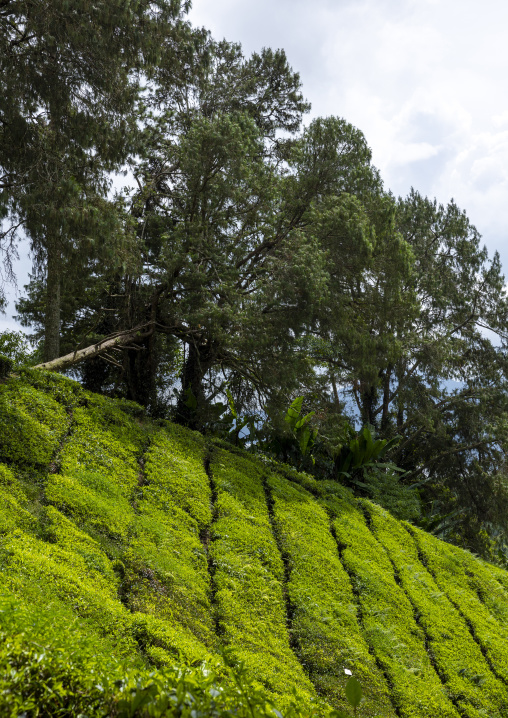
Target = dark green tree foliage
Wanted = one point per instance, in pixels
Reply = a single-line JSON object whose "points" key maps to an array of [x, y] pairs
{"points": [[69, 79], [229, 216], [416, 361], [224, 267]]}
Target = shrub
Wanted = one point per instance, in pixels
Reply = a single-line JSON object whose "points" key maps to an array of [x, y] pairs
{"points": [[388, 618], [32, 424], [16, 347], [6, 365], [174, 470], [451, 575]]}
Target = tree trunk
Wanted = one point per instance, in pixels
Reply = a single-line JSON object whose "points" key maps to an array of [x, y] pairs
{"points": [[369, 397], [140, 365], [52, 317], [385, 417], [194, 370], [130, 336]]}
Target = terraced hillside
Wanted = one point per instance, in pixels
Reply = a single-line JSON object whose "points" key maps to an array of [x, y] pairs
{"points": [[129, 548]]}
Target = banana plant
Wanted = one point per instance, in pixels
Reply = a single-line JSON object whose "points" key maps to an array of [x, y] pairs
{"points": [[305, 435], [363, 451]]}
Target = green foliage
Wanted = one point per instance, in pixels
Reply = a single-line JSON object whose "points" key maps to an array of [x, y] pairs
{"points": [[388, 618], [363, 452], [49, 664], [15, 346], [354, 692], [271, 259], [33, 424], [98, 469], [67, 122], [166, 575], [454, 579], [92, 502], [175, 473], [13, 513], [130, 566], [167, 557], [359, 463], [6, 365], [385, 487], [61, 388], [53, 572], [50, 667], [299, 425], [112, 450]]}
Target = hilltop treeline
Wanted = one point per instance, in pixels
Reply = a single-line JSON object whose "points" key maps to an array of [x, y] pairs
{"points": [[257, 257]]}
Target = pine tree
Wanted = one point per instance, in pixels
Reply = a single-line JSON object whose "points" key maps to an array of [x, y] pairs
{"points": [[70, 74]]}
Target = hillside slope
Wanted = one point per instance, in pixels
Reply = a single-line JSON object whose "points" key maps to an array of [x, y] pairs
{"points": [[128, 545]]}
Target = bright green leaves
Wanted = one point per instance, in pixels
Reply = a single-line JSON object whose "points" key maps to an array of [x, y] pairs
{"points": [[32, 425], [249, 578], [324, 621]]}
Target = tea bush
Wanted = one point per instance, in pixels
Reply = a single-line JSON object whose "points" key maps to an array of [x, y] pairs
{"points": [[324, 614], [248, 575], [127, 564], [458, 657], [447, 571], [388, 619]]}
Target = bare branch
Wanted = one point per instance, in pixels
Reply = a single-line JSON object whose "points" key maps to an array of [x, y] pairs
{"points": [[130, 336]]}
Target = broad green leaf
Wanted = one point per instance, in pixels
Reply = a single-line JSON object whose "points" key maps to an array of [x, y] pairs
{"points": [[293, 413], [191, 400], [353, 692]]}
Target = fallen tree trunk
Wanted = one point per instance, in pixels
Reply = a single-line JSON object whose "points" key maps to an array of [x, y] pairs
{"points": [[119, 340]]}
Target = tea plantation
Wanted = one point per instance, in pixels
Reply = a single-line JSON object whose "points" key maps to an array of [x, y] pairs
{"points": [[149, 571]]}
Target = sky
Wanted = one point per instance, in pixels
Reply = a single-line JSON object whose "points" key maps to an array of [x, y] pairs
{"points": [[424, 80]]}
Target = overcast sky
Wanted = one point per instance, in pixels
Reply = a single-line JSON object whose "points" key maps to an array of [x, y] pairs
{"points": [[425, 80]]}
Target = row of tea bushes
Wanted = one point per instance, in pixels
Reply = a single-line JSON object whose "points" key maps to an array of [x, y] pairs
{"points": [[445, 568], [91, 546], [168, 571], [457, 656], [52, 665], [324, 615], [388, 619], [33, 424], [175, 471], [46, 558], [248, 581], [386, 615]]}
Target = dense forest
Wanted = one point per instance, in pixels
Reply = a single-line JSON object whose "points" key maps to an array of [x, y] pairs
{"points": [[254, 280]]}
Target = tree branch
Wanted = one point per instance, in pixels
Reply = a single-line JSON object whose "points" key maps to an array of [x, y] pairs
{"points": [[130, 336]]}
